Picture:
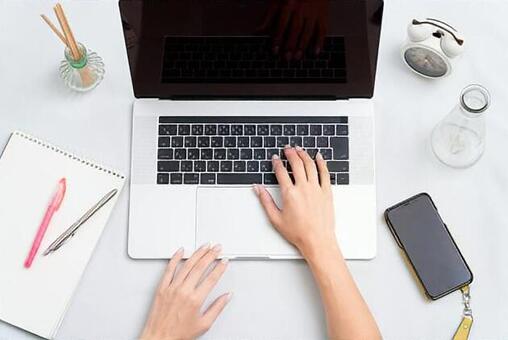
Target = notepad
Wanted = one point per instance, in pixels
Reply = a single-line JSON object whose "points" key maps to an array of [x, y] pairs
{"points": [[36, 299]]}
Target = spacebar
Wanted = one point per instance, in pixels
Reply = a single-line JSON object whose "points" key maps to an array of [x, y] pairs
{"points": [[235, 178]]}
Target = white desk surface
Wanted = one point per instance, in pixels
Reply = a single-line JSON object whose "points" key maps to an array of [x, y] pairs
{"points": [[278, 300]]}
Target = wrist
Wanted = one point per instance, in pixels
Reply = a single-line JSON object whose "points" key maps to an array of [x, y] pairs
{"points": [[316, 254]]}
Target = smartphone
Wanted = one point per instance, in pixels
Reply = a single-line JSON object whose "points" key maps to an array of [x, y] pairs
{"points": [[423, 236]]}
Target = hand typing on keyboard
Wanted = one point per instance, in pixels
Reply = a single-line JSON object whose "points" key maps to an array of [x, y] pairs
{"points": [[295, 25], [307, 221]]}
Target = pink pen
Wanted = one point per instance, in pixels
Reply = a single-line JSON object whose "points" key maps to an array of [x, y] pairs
{"points": [[50, 211]]}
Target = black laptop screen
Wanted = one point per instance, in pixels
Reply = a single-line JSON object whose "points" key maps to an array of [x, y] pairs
{"points": [[252, 48]]}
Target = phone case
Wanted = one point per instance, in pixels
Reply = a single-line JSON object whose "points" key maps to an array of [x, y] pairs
{"points": [[399, 243]]}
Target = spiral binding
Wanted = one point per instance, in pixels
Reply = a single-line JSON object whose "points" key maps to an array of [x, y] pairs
{"points": [[68, 155]]}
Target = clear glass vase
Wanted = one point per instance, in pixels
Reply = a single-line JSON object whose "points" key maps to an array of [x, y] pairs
{"points": [[459, 139], [83, 74]]}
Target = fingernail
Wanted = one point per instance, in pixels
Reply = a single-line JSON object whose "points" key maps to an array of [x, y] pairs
{"points": [[298, 55], [230, 296], [217, 248], [299, 148], [287, 146], [318, 50], [319, 156], [205, 246], [289, 55], [178, 252], [225, 260], [274, 157], [256, 189]]}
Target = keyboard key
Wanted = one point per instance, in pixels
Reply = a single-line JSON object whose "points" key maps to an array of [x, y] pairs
{"points": [[168, 166], [271, 152], [229, 142], [164, 142], [165, 154], [243, 142], [180, 154], [207, 178], [333, 178], [338, 166], [250, 130], [186, 166], [206, 153], [246, 154], [259, 154], [199, 166], [340, 147], [193, 154], [176, 178], [256, 142], [219, 154], [328, 130], [302, 130], [217, 142], [270, 179], [190, 178], [282, 141], [167, 129], [263, 130], [269, 142], [210, 130], [190, 142], [312, 153], [295, 141], [239, 166], [184, 129], [226, 166], [162, 178], [276, 130], [309, 142], [289, 130], [326, 153], [197, 129], [266, 166], [237, 130], [342, 178], [322, 142], [316, 130], [176, 142], [212, 166], [252, 166], [223, 130], [233, 154], [342, 130], [239, 178], [203, 142]]}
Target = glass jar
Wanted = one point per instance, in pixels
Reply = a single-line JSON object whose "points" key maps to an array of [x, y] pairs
{"points": [[83, 74], [459, 139]]}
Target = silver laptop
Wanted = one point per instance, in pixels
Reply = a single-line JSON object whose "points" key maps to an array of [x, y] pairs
{"points": [[221, 87]]}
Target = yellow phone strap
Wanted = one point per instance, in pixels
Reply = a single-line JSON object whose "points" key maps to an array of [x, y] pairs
{"points": [[464, 328]]}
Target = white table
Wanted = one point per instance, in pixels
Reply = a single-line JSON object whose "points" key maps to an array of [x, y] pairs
{"points": [[278, 300]]}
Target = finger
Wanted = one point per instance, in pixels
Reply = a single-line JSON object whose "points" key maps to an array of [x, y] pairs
{"points": [[309, 164], [271, 209], [294, 34], [320, 39], [281, 173], [324, 175], [281, 29], [189, 264], [170, 269], [201, 266], [296, 165], [269, 17], [211, 279], [308, 30], [212, 312]]}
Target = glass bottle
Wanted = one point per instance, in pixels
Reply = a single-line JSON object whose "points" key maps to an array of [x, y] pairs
{"points": [[459, 139], [83, 74]]}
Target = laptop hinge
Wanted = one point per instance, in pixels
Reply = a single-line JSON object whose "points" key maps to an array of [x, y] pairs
{"points": [[223, 98]]}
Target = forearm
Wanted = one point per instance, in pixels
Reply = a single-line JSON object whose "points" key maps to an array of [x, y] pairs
{"points": [[347, 315]]}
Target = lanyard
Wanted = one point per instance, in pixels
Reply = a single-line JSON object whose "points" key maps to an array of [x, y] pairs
{"points": [[464, 328]]}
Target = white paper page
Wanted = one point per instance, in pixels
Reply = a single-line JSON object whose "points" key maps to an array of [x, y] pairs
{"points": [[36, 299]]}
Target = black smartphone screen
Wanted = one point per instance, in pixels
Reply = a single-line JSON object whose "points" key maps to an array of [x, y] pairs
{"points": [[424, 237]]}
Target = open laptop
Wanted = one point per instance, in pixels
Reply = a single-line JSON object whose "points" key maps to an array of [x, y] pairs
{"points": [[216, 98]]}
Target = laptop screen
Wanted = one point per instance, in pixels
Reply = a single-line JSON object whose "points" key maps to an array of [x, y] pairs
{"points": [[252, 48]]}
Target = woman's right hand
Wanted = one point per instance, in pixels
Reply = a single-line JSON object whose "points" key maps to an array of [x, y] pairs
{"points": [[306, 218]]}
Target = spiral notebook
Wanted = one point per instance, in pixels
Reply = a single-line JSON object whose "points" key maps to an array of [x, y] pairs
{"points": [[36, 299]]}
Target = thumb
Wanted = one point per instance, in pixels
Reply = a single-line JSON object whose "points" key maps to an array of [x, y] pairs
{"points": [[271, 209]]}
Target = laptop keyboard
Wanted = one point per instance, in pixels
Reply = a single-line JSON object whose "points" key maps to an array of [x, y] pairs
{"points": [[238, 150], [248, 60]]}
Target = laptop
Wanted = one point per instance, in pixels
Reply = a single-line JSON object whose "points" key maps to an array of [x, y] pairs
{"points": [[217, 95]]}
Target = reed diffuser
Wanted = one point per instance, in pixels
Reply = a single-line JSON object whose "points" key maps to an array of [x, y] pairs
{"points": [[82, 69]]}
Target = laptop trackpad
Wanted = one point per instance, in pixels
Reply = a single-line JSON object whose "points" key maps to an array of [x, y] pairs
{"points": [[234, 218]]}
